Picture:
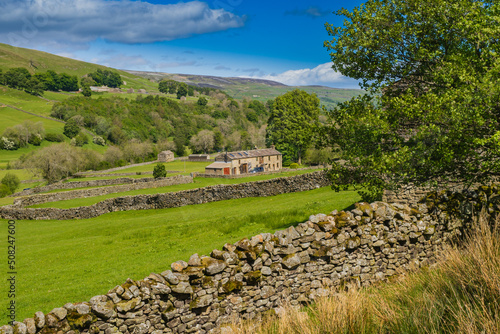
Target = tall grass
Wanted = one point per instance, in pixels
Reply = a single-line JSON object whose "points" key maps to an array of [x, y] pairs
{"points": [[460, 295]]}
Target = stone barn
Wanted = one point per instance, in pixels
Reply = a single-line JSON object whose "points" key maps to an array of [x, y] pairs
{"points": [[199, 157], [243, 162], [166, 156]]}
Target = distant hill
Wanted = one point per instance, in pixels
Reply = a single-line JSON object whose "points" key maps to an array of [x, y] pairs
{"points": [[257, 89], [38, 61]]}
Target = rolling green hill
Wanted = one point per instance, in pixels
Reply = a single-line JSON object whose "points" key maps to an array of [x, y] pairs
{"points": [[254, 89], [38, 61]]}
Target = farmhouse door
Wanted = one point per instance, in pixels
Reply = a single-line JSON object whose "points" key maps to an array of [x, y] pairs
{"points": [[226, 171]]}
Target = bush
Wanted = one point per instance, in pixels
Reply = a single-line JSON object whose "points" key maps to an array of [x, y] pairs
{"points": [[7, 144], [99, 140], [54, 137], [159, 171], [120, 163], [4, 190], [11, 181], [103, 165], [81, 139], [294, 165], [36, 139]]}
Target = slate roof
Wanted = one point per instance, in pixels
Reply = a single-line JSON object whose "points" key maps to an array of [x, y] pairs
{"points": [[217, 165], [247, 154]]}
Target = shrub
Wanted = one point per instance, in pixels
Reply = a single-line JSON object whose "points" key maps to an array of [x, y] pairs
{"points": [[54, 137], [11, 181], [81, 139], [104, 165], [159, 171], [294, 165], [4, 190], [99, 140], [36, 139], [120, 163], [7, 144]]}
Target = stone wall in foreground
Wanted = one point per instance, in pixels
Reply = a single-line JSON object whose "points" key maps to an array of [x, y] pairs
{"points": [[216, 193], [85, 193], [371, 243]]}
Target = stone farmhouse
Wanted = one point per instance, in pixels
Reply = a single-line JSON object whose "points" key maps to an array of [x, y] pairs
{"points": [[166, 156], [242, 162]]}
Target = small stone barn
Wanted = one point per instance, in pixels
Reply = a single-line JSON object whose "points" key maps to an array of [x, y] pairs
{"points": [[199, 157], [166, 156], [242, 162]]}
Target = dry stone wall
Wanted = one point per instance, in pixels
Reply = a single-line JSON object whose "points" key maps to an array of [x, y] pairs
{"points": [[411, 195], [216, 193], [84, 193], [371, 243], [83, 184]]}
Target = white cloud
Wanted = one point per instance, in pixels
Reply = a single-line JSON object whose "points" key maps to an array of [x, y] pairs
{"points": [[320, 75], [123, 61], [122, 21]]}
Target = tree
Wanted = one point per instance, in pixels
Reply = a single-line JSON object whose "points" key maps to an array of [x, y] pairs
{"points": [[71, 128], [431, 115], [218, 140], [182, 90], [86, 91], [292, 123], [159, 171], [68, 83], [203, 141], [11, 182], [202, 101], [17, 78], [55, 162]]}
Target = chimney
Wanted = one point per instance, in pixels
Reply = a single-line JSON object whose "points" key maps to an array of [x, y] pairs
{"points": [[273, 147]]}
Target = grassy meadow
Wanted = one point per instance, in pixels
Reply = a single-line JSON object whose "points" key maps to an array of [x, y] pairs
{"points": [[198, 183], [11, 57], [71, 261]]}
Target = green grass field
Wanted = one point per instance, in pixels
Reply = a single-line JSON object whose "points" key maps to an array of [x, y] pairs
{"points": [[71, 261], [198, 183], [11, 117]]}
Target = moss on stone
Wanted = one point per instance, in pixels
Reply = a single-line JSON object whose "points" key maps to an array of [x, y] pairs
{"points": [[253, 277], [321, 252], [207, 282], [231, 286], [80, 321]]}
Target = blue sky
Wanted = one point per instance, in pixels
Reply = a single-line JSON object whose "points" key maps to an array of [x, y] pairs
{"points": [[277, 40]]}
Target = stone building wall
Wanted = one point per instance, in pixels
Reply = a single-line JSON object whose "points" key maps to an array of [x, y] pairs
{"points": [[215, 193], [371, 243], [85, 193]]}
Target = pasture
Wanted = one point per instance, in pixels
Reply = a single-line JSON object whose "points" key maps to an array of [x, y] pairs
{"points": [[71, 261]]}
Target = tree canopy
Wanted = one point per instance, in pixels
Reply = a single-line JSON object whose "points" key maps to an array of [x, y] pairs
{"points": [[433, 109], [292, 123]]}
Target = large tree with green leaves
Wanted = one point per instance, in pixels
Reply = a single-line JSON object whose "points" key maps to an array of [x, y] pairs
{"points": [[292, 123], [432, 114]]}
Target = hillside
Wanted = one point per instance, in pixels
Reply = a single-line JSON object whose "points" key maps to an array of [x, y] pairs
{"points": [[38, 61], [255, 89]]}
